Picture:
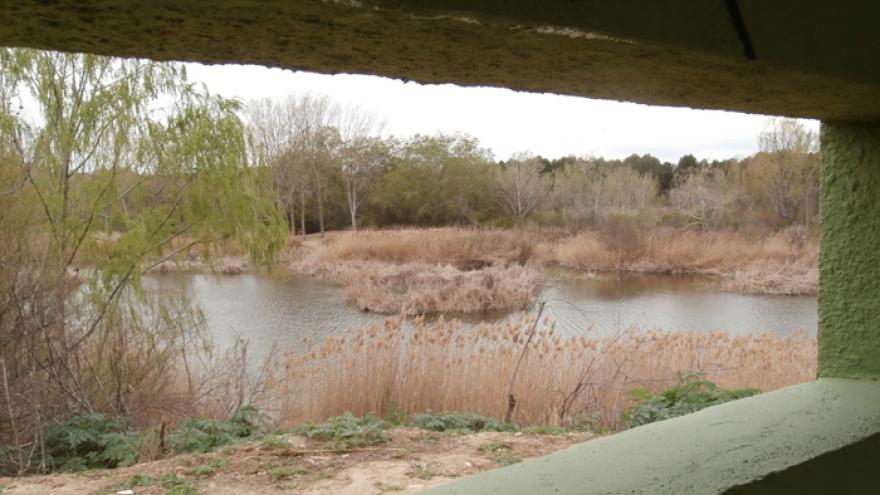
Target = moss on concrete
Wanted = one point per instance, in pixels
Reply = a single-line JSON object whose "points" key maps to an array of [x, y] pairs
{"points": [[849, 265], [682, 52], [771, 441]]}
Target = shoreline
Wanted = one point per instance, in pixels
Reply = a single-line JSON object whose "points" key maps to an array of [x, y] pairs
{"points": [[476, 270]]}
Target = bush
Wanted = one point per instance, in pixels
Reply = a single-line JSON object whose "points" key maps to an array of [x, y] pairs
{"points": [[460, 421], [205, 435], [691, 394], [347, 431], [91, 441]]}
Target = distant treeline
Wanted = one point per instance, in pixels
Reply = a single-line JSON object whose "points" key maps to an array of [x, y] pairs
{"points": [[327, 169]]}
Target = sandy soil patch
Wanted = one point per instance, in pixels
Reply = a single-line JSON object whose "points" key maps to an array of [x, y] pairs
{"points": [[409, 462]]}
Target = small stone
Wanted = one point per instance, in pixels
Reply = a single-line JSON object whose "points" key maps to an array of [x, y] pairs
{"points": [[125, 492]]}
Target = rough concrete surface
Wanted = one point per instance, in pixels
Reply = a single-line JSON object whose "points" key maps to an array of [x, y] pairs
{"points": [[727, 448], [685, 53], [849, 290]]}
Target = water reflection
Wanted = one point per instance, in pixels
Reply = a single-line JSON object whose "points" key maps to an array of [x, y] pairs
{"points": [[282, 310]]}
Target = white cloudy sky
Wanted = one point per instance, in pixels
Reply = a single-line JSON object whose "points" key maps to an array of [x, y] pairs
{"points": [[507, 121]]}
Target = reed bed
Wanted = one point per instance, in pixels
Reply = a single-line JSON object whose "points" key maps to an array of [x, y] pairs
{"points": [[461, 247], [387, 270], [444, 366], [781, 263], [417, 272]]}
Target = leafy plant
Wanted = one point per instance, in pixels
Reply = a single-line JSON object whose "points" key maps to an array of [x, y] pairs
{"points": [[85, 441], [205, 435], [348, 431], [505, 458], [176, 485], [136, 480], [460, 421], [209, 468], [395, 415], [690, 394]]}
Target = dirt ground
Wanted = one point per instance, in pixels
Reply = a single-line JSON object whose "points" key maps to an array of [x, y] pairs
{"points": [[409, 462]]}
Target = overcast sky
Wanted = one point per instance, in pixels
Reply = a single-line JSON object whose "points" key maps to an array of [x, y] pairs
{"points": [[506, 121]]}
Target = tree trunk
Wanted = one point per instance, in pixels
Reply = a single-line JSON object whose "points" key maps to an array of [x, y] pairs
{"points": [[291, 212], [302, 211], [320, 199]]}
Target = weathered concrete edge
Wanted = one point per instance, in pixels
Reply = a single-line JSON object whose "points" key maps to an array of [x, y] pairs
{"points": [[709, 452]]}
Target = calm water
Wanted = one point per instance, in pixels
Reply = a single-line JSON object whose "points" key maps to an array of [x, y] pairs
{"points": [[282, 310]]}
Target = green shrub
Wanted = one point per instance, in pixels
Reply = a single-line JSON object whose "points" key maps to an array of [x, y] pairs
{"points": [[505, 458], [691, 394], [205, 435], [347, 431], [395, 415], [176, 485], [461, 422], [90, 441]]}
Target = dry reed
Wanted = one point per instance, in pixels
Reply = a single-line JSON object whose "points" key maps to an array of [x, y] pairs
{"points": [[461, 247], [421, 288], [444, 366], [467, 270]]}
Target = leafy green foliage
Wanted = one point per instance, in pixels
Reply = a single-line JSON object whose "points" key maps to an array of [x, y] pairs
{"points": [[205, 435], [505, 458], [136, 480], [91, 441], [461, 422], [691, 394], [348, 431], [395, 415], [176, 485]]}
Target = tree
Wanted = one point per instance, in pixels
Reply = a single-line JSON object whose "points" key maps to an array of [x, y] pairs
{"points": [[785, 172], [273, 135], [361, 164], [687, 165], [522, 185], [96, 146], [705, 198], [361, 156], [435, 180]]}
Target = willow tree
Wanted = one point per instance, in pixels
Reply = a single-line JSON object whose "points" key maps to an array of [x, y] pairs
{"points": [[130, 141]]}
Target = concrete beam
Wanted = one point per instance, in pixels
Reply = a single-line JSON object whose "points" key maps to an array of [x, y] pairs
{"points": [[813, 58], [777, 442]]}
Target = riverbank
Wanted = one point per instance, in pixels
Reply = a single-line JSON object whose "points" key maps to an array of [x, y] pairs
{"points": [[410, 461], [423, 271]]}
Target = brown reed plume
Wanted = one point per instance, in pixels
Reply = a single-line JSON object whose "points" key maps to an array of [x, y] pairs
{"points": [[445, 366]]}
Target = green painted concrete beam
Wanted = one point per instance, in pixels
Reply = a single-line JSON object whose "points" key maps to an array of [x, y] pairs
{"points": [[774, 440], [849, 266]]}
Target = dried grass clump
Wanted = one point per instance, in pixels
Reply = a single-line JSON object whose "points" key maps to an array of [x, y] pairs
{"points": [[421, 288], [443, 366]]}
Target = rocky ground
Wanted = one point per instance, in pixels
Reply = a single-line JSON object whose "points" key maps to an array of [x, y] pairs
{"points": [[410, 461]]}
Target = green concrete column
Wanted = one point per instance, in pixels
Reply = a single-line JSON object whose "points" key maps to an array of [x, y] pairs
{"points": [[849, 264]]}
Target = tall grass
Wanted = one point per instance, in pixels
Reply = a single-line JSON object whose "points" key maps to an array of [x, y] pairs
{"points": [[422, 288], [428, 271], [461, 247], [444, 366], [464, 270], [781, 263]]}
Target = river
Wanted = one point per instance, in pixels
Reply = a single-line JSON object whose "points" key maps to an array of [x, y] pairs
{"points": [[281, 310]]}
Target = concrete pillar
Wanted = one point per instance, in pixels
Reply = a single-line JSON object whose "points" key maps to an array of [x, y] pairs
{"points": [[849, 266]]}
